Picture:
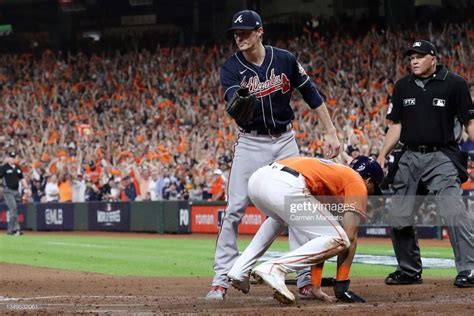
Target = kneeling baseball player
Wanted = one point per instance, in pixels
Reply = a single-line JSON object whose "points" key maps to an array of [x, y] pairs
{"points": [[293, 192]]}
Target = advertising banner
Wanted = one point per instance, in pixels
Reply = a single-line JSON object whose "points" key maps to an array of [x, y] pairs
{"points": [[4, 215], [208, 219], [55, 216], [109, 216], [176, 217]]}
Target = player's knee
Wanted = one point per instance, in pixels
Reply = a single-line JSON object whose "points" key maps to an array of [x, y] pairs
{"points": [[346, 241]]}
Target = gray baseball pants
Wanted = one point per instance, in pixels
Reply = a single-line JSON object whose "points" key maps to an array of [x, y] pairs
{"points": [[437, 172], [10, 199]]}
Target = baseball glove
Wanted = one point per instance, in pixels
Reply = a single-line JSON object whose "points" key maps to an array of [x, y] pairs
{"points": [[241, 106], [341, 290]]}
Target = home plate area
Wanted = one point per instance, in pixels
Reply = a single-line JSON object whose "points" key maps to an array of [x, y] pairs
{"points": [[46, 291]]}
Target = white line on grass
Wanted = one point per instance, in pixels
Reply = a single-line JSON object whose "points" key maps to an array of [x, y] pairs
{"points": [[60, 243]]}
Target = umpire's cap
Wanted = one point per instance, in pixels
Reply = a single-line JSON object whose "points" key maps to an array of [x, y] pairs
{"points": [[421, 47], [368, 167], [245, 20]]}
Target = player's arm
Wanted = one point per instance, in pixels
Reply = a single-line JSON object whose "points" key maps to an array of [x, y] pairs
{"points": [[22, 178], [391, 140], [394, 117], [239, 101], [350, 223], [330, 136], [465, 107], [355, 200], [313, 98], [470, 129], [229, 81]]}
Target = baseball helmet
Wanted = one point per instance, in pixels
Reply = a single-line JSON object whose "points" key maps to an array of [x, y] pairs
{"points": [[368, 167]]}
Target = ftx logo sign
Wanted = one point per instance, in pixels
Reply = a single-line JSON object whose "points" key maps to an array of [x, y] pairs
{"points": [[408, 102]]}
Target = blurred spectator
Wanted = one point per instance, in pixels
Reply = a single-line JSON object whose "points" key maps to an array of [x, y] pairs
{"points": [[129, 190], [218, 186], [79, 188], [143, 178], [171, 192], [37, 192], [51, 190], [65, 188], [197, 189], [152, 194], [92, 191]]}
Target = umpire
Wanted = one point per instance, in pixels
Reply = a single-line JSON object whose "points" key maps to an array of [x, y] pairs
{"points": [[11, 175], [427, 109]]}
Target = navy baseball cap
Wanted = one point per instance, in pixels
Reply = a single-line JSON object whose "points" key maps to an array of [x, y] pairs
{"points": [[421, 47], [368, 167], [245, 20], [12, 154]]}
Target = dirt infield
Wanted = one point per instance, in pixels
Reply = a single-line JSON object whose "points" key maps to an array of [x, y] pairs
{"points": [[49, 291]]}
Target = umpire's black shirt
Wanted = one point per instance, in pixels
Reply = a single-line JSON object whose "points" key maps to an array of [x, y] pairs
{"points": [[426, 107], [11, 176]]}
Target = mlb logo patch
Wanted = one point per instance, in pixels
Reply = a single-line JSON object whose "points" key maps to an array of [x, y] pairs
{"points": [[407, 102], [439, 102], [390, 108]]}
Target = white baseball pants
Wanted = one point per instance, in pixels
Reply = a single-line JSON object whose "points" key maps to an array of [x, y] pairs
{"points": [[271, 190]]}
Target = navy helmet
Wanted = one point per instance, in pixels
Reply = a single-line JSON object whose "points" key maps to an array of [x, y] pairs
{"points": [[368, 167]]}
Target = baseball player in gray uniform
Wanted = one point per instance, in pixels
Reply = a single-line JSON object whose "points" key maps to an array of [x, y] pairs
{"points": [[263, 76]]}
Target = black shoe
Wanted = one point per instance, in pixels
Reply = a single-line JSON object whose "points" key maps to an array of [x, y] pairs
{"points": [[400, 278], [328, 281], [465, 279]]}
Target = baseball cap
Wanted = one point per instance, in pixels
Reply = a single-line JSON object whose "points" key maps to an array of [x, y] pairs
{"points": [[421, 47], [245, 20], [12, 154], [368, 167], [351, 149]]}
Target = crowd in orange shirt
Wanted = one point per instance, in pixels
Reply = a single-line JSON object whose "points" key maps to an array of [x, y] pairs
{"points": [[133, 115]]}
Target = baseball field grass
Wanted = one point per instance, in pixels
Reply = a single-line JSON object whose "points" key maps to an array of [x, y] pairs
{"points": [[156, 256]]}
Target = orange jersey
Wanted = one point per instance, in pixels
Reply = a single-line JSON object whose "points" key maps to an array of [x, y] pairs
{"points": [[327, 178]]}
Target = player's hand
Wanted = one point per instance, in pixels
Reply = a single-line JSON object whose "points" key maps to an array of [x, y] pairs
{"points": [[381, 160], [320, 295], [341, 289], [333, 145]]}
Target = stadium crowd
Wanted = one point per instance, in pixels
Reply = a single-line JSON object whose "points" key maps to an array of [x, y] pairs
{"points": [[143, 124]]}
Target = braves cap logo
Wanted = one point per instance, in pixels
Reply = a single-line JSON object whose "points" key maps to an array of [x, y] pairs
{"points": [[239, 19]]}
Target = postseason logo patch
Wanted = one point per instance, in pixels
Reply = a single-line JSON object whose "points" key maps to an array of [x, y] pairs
{"points": [[439, 102], [408, 102]]}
